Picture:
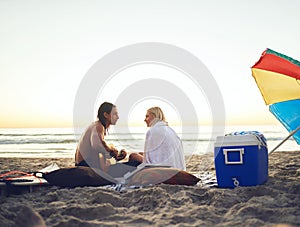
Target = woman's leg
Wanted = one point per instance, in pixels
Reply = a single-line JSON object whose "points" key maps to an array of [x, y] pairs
{"points": [[121, 168], [138, 157]]}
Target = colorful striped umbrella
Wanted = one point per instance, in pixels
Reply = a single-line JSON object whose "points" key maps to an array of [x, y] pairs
{"points": [[278, 79]]}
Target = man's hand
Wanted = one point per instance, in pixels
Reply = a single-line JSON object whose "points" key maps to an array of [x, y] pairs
{"points": [[113, 153], [121, 155]]}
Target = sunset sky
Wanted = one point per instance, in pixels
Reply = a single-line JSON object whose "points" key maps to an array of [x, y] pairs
{"points": [[47, 47]]}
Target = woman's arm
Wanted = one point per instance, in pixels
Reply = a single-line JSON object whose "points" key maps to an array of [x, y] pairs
{"points": [[154, 151]]}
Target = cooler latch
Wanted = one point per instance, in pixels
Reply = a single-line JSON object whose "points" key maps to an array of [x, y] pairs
{"points": [[233, 156]]}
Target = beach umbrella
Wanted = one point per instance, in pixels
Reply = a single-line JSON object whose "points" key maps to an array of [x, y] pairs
{"points": [[278, 79]]}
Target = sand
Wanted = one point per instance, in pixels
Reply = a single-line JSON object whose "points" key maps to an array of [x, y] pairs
{"points": [[275, 203]]}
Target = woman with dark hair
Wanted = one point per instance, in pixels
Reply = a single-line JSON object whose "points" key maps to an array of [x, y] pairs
{"points": [[93, 151]]}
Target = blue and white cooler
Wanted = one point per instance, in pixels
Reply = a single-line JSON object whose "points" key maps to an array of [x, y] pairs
{"points": [[241, 159]]}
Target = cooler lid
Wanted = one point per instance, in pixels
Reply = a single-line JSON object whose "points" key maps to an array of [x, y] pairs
{"points": [[238, 140]]}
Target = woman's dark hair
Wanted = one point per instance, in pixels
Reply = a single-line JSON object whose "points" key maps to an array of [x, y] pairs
{"points": [[105, 107]]}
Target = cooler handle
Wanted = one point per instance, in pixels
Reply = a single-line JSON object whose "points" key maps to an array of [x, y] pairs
{"points": [[226, 151]]}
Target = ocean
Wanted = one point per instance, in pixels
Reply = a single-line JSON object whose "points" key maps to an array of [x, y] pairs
{"points": [[62, 142]]}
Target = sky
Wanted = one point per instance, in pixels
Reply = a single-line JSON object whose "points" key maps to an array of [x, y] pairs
{"points": [[48, 47]]}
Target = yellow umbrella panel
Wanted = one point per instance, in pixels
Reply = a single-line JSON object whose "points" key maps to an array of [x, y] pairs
{"points": [[276, 87]]}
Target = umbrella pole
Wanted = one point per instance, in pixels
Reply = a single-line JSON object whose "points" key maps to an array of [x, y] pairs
{"points": [[291, 134]]}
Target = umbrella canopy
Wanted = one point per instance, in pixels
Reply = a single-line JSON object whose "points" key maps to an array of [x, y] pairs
{"points": [[278, 79]]}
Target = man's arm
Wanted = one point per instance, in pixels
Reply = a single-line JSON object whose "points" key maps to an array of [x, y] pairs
{"points": [[98, 143]]}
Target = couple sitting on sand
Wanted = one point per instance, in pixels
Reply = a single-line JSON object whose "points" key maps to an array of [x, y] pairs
{"points": [[162, 145]]}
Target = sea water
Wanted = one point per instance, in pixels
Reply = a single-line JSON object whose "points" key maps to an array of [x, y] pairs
{"points": [[62, 142]]}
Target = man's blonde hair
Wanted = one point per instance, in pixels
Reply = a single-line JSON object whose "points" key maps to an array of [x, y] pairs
{"points": [[157, 112]]}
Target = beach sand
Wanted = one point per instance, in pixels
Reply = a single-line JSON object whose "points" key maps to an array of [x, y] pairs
{"points": [[275, 203]]}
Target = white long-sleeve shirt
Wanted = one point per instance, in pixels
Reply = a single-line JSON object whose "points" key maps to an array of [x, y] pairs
{"points": [[163, 146]]}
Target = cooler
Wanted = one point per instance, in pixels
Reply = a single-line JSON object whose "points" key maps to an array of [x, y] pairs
{"points": [[241, 160]]}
